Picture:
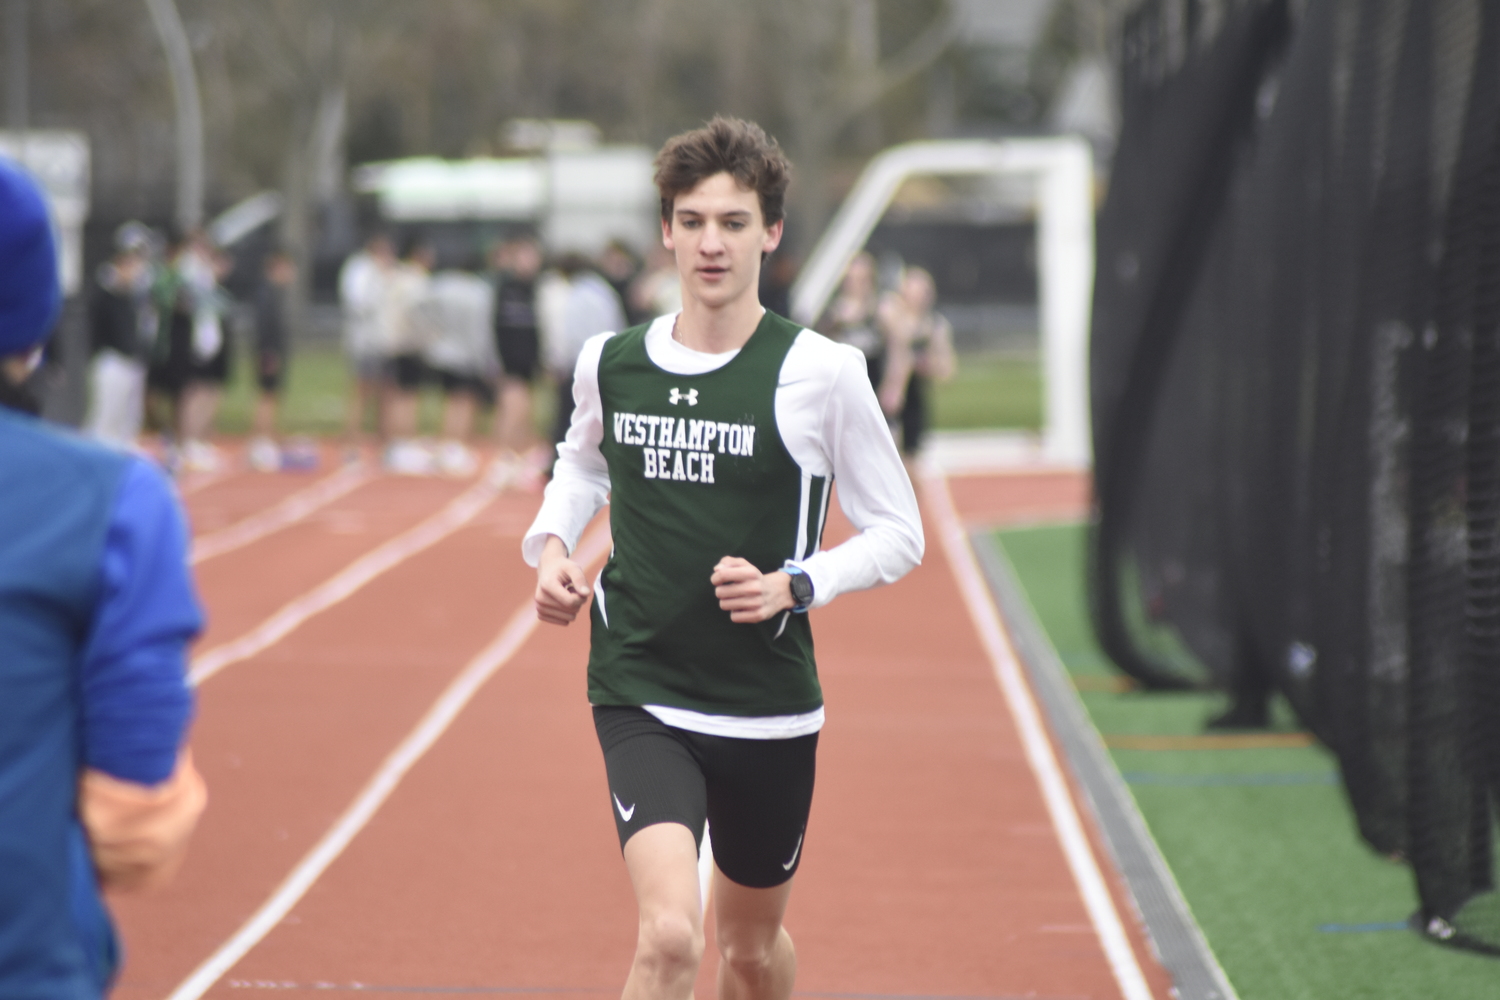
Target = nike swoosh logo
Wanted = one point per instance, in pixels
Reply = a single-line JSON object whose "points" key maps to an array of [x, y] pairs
{"points": [[625, 814], [797, 851]]}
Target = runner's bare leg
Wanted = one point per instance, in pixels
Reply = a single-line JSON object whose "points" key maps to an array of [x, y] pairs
{"points": [[758, 960], [663, 863]]}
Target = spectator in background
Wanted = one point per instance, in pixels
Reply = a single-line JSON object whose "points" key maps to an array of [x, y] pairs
{"points": [[851, 318], [122, 330], [272, 342], [658, 289], [363, 290], [518, 263], [919, 350], [410, 331], [776, 279], [591, 307], [96, 611], [618, 266], [171, 354], [200, 267], [461, 354]]}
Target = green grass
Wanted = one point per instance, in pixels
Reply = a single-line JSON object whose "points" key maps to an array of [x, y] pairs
{"points": [[313, 398], [1263, 866], [990, 391], [987, 391]]}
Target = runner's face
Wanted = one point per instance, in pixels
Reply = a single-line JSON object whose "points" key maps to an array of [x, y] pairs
{"points": [[718, 235]]}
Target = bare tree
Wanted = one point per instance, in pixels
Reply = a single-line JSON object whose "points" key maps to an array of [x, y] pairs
{"points": [[822, 92]]}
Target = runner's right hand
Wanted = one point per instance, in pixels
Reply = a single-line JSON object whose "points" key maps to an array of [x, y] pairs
{"points": [[562, 589]]}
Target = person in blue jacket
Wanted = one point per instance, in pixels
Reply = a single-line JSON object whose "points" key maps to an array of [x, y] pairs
{"points": [[97, 608]]}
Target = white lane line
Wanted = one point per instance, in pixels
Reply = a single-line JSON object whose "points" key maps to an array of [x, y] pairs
{"points": [[463, 509], [421, 739], [1039, 754], [281, 515], [194, 482]]}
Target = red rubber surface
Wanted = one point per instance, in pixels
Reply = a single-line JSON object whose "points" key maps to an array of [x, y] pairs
{"points": [[931, 867]]}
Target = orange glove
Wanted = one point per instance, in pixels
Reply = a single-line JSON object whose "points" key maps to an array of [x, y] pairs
{"points": [[139, 833]]}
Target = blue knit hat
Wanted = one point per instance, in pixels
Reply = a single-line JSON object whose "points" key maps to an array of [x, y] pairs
{"points": [[29, 294]]}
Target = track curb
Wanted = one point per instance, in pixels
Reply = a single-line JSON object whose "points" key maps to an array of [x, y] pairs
{"points": [[1175, 935]]}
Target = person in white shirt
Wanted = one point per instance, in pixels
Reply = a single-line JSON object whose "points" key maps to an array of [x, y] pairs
{"points": [[591, 307], [461, 354], [363, 284], [701, 429], [411, 329]]}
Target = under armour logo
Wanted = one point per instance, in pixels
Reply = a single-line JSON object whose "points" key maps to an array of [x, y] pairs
{"points": [[677, 396]]}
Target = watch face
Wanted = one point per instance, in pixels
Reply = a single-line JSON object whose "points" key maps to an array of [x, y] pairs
{"points": [[802, 588]]}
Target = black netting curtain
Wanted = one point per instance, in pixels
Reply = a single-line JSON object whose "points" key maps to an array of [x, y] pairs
{"points": [[1296, 396]]}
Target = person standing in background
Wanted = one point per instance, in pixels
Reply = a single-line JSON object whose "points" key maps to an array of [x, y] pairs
{"points": [[201, 266], [618, 266], [851, 318], [363, 284], [97, 788], [919, 350], [272, 343], [591, 307], [776, 279], [518, 262], [411, 330], [461, 355], [122, 329], [657, 291]]}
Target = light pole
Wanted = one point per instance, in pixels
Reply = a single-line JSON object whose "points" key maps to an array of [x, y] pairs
{"points": [[190, 179]]}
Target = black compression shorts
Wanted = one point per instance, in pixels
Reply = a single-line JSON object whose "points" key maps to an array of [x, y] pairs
{"points": [[519, 348], [477, 386], [409, 372], [755, 794], [270, 371]]}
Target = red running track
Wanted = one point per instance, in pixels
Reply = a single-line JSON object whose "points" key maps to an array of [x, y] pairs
{"points": [[932, 867]]}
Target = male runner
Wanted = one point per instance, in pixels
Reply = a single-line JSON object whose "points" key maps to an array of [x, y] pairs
{"points": [[716, 433]]}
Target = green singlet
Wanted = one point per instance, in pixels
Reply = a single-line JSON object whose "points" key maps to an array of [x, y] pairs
{"points": [[698, 471]]}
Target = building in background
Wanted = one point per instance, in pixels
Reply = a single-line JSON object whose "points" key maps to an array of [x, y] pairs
{"points": [[575, 193]]}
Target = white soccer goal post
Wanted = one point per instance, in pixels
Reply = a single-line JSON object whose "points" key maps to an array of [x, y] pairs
{"points": [[1063, 171]]}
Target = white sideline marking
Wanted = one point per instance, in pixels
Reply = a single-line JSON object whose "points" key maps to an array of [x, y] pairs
{"points": [[401, 760], [459, 512], [193, 482], [281, 515], [1039, 754]]}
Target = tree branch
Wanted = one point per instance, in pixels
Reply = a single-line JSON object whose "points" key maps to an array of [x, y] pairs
{"points": [[920, 53]]}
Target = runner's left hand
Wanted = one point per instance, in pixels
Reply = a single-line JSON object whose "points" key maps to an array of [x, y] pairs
{"points": [[748, 594]]}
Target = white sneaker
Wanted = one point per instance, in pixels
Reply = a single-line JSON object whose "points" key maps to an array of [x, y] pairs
{"points": [[409, 458], [200, 456], [264, 456], [454, 459]]}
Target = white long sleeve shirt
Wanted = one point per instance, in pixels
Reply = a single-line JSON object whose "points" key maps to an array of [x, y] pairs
{"points": [[831, 425]]}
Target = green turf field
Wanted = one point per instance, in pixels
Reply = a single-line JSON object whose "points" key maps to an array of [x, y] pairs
{"points": [[1261, 841], [313, 398], [988, 391]]}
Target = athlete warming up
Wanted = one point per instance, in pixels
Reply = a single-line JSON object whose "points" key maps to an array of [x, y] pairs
{"points": [[716, 435]]}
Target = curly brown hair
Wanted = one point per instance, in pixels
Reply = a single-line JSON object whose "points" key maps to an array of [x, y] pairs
{"points": [[730, 146]]}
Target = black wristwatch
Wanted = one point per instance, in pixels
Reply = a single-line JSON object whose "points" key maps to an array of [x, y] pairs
{"points": [[802, 588]]}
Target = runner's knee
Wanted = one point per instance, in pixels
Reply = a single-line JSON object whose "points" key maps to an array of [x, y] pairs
{"points": [[670, 942], [752, 957]]}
